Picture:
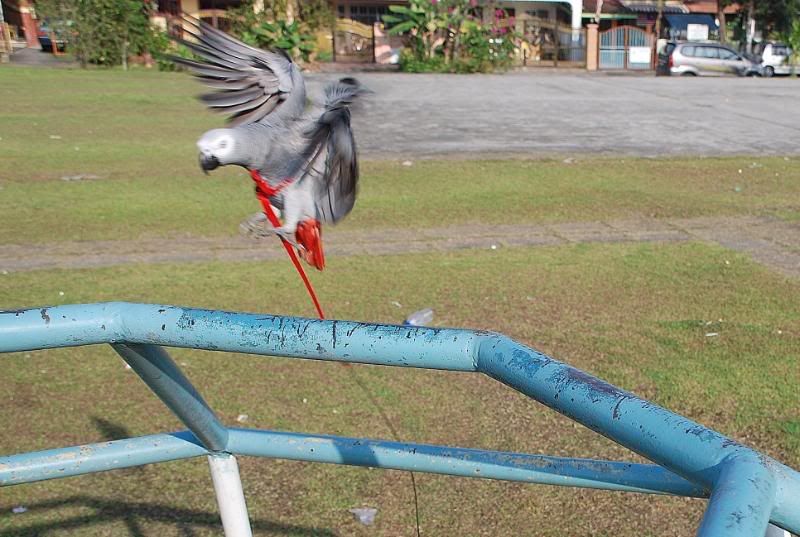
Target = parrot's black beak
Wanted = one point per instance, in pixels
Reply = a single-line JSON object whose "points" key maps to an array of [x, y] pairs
{"points": [[208, 162]]}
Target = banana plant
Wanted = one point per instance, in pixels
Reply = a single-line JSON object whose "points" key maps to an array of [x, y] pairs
{"points": [[283, 35], [420, 21]]}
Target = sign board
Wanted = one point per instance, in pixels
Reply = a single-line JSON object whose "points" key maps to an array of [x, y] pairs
{"points": [[697, 32], [639, 55]]}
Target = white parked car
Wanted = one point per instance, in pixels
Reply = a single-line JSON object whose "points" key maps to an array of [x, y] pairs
{"points": [[775, 59]]}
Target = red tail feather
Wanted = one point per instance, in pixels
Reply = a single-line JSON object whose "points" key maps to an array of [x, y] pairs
{"points": [[309, 236]]}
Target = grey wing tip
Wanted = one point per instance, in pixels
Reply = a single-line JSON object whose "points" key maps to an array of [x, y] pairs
{"points": [[354, 83]]}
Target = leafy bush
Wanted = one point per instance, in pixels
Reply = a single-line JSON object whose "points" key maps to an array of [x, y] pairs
{"points": [[270, 27], [793, 39], [449, 36], [167, 46], [283, 35], [102, 32]]}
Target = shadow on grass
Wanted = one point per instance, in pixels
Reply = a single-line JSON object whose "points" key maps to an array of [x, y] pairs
{"points": [[136, 515]]}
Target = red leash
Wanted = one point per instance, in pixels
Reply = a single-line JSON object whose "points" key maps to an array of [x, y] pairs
{"points": [[263, 193]]}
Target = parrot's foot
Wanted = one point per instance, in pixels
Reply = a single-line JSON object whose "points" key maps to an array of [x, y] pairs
{"points": [[287, 236], [255, 225]]}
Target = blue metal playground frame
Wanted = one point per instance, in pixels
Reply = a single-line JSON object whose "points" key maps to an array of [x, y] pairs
{"points": [[746, 489]]}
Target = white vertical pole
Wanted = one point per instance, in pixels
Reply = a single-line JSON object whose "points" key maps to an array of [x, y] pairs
{"points": [[577, 13], [230, 496], [775, 531]]}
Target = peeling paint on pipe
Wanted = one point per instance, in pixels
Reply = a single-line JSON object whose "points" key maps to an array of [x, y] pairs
{"points": [[686, 448]]}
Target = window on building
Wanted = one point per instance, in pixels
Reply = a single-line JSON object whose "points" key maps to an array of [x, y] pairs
{"points": [[219, 4], [169, 7]]}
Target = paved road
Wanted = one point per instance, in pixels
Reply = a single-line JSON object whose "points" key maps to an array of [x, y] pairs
{"points": [[543, 113], [33, 56], [771, 242]]}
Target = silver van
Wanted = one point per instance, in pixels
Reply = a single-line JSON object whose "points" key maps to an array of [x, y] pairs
{"points": [[703, 59]]}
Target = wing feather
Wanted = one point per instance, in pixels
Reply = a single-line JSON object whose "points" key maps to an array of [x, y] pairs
{"points": [[332, 146], [249, 84]]}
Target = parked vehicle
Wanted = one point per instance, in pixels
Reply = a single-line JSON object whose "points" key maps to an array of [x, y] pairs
{"points": [[703, 59], [46, 35], [775, 59]]}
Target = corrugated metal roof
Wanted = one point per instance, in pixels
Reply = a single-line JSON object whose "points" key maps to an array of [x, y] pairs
{"points": [[651, 6]]}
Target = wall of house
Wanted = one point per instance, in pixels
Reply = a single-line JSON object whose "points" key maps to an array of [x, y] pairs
{"points": [[569, 12]]}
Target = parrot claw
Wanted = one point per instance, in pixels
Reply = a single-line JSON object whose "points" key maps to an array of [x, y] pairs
{"points": [[287, 236]]}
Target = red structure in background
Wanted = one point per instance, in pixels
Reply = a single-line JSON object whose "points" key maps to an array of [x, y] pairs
{"points": [[20, 14]]}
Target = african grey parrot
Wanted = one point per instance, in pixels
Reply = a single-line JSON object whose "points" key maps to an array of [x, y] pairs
{"points": [[308, 155]]}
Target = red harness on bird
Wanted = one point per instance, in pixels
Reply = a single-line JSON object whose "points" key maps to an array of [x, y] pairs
{"points": [[308, 234]]}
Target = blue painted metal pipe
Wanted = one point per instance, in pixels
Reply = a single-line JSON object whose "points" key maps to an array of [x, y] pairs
{"points": [[170, 326], [742, 500], [90, 458], [672, 441], [680, 445], [162, 375], [606, 475]]}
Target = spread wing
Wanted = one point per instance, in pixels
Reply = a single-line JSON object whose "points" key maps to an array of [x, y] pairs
{"points": [[334, 162], [250, 84]]}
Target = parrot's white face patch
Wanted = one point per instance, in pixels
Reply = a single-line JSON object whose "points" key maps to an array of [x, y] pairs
{"points": [[216, 143]]}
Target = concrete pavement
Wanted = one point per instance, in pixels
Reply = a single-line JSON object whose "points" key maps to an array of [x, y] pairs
{"points": [[546, 112]]}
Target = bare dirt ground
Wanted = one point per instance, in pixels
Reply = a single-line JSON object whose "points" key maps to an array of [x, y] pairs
{"points": [[772, 242]]}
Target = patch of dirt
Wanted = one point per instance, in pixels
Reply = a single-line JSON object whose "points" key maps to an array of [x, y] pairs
{"points": [[769, 241]]}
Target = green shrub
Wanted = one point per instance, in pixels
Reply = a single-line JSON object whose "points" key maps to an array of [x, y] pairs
{"points": [[102, 32], [270, 29], [468, 45]]}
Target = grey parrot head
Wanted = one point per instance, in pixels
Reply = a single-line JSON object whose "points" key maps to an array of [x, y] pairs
{"points": [[220, 147]]}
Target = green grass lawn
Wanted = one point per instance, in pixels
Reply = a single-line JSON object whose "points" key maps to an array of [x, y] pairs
{"points": [[637, 315], [136, 132]]}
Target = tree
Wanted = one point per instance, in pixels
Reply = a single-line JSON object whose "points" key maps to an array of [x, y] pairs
{"points": [[723, 26], [103, 32], [448, 35], [281, 24], [793, 39], [420, 21], [775, 17]]}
